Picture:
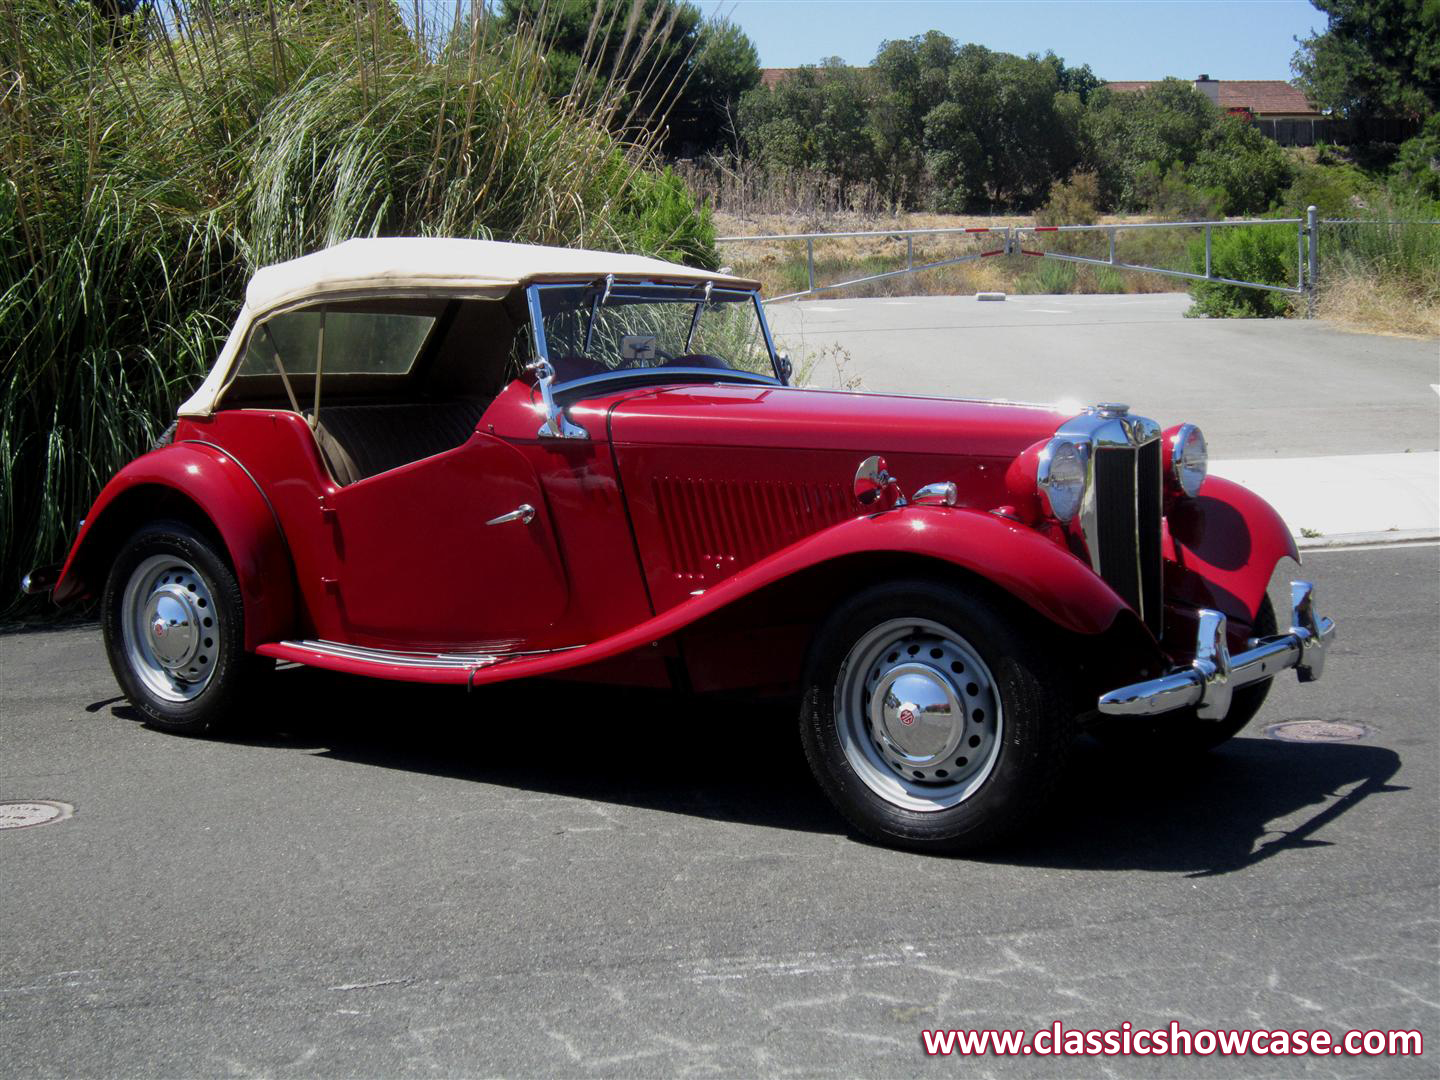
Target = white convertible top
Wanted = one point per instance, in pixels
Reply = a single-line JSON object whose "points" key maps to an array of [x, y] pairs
{"points": [[423, 266]]}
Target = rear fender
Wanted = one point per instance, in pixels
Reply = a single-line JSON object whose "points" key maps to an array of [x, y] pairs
{"points": [[1227, 542], [186, 480]]}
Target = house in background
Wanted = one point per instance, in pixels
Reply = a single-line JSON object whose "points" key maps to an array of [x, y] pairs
{"points": [[1280, 111]]}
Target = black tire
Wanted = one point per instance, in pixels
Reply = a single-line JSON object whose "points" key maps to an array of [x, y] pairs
{"points": [[1183, 732], [1032, 726], [205, 693]]}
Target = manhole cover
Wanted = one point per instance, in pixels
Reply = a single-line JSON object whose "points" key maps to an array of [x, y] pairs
{"points": [[1317, 731], [21, 815]]}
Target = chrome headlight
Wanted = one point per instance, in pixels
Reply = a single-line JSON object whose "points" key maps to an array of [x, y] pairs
{"points": [[1060, 476], [1189, 459]]}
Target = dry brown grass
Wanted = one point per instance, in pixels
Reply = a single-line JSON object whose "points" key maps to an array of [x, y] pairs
{"points": [[1378, 306], [780, 266]]}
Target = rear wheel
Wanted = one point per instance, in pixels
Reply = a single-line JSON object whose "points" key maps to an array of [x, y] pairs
{"points": [[930, 718], [174, 630]]}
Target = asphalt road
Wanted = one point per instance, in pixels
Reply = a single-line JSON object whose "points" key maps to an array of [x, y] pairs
{"points": [[544, 880], [1258, 387]]}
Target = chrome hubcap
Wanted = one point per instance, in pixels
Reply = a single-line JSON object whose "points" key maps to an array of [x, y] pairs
{"points": [[918, 715], [169, 629]]}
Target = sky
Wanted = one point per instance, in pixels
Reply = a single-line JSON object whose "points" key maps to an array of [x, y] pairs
{"points": [[1119, 39]]}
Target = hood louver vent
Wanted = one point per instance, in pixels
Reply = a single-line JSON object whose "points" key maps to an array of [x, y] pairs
{"points": [[714, 527]]}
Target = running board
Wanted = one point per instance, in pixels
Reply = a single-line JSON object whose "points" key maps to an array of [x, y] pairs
{"points": [[411, 666]]}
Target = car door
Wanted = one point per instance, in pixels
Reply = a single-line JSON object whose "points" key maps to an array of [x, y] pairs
{"points": [[452, 550]]}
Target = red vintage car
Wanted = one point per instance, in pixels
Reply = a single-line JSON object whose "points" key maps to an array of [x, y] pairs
{"points": [[456, 461]]}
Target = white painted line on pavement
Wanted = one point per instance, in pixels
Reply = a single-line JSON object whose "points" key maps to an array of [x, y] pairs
{"points": [[1307, 552]]}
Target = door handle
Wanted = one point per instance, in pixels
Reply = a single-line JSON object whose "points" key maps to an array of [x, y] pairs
{"points": [[522, 513]]}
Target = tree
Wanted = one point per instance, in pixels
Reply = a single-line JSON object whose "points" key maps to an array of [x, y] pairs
{"points": [[1375, 57], [726, 68], [977, 128], [816, 119], [673, 67], [1166, 124], [1249, 168]]}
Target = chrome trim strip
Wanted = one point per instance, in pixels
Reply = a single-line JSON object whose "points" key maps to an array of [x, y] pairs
{"points": [[404, 658], [1110, 427], [1214, 675]]}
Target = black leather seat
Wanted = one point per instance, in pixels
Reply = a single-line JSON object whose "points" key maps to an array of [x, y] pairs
{"points": [[358, 441]]}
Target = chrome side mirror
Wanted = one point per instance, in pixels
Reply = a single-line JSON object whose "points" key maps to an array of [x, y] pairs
{"points": [[557, 425], [783, 365], [875, 489]]}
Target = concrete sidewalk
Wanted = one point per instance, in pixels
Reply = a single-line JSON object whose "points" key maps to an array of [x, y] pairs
{"points": [[1360, 498]]}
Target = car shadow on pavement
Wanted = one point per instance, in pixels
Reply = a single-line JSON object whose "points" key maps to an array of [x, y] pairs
{"points": [[707, 757], [1216, 813], [724, 760]]}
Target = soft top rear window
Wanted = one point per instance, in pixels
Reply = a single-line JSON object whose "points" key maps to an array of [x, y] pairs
{"points": [[341, 339]]}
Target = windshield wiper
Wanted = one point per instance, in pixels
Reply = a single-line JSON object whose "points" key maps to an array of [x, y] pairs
{"points": [[595, 312], [695, 319]]}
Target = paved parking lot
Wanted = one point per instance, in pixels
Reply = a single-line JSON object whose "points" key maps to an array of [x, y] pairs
{"points": [[393, 881], [1258, 387]]}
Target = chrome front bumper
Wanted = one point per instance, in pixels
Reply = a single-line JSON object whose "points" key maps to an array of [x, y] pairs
{"points": [[1210, 679]]}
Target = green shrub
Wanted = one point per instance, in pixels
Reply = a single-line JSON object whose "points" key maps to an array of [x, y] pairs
{"points": [[1108, 279], [1170, 195], [1249, 168], [1262, 253], [1052, 277], [1072, 202], [1416, 172], [1336, 191]]}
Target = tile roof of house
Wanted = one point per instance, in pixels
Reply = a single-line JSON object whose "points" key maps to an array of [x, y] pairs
{"points": [[769, 77], [1263, 96]]}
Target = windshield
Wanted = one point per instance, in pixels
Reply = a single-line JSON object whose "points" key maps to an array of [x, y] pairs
{"points": [[600, 329]]}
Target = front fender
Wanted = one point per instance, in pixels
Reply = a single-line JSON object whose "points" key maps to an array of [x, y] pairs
{"points": [[216, 485], [1226, 544], [1023, 562]]}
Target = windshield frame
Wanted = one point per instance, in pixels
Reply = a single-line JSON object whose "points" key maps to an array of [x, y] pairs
{"points": [[659, 292]]}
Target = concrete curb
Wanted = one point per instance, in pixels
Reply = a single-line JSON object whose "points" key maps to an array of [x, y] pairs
{"points": [[1358, 539]]}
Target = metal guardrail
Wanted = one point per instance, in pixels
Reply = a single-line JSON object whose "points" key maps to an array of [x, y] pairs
{"points": [[1012, 242], [909, 268], [1305, 229]]}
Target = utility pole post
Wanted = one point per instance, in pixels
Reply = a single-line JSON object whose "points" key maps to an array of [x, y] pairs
{"points": [[1312, 230]]}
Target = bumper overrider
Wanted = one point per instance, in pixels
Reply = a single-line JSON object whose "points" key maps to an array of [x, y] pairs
{"points": [[1210, 679]]}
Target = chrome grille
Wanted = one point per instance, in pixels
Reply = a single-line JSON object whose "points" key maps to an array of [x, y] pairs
{"points": [[1120, 515], [1149, 508], [1125, 537]]}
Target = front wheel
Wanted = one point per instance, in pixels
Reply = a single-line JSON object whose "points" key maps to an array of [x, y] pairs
{"points": [[174, 630], [931, 718]]}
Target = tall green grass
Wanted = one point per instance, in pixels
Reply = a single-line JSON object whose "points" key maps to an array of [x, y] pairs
{"points": [[1395, 242], [150, 166]]}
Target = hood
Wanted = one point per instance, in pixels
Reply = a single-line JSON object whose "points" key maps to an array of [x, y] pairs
{"points": [[786, 418]]}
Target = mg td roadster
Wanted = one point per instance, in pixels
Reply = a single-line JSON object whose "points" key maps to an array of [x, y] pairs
{"points": [[463, 462]]}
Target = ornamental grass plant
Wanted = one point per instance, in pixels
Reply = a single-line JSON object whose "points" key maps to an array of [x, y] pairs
{"points": [[152, 162]]}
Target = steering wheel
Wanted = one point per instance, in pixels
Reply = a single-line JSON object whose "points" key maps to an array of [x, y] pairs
{"points": [[664, 355]]}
